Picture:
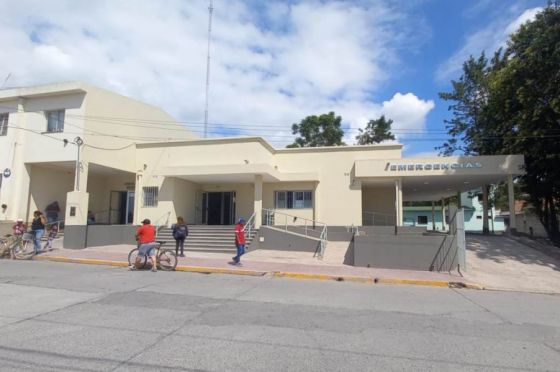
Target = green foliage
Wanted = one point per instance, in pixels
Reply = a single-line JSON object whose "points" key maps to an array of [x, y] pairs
{"points": [[315, 131], [511, 105], [376, 131]]}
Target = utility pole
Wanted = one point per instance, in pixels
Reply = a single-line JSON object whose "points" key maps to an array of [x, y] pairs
{"points": [[210, 9]]}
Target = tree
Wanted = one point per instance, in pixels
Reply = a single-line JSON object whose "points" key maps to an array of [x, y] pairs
{"points": [[315, 131], [470, 94], [511, 105], [376, 131]]}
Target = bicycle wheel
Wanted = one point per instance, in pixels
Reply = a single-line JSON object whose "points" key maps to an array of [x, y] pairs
{"points": [[22, 250], [132, 259], [167, 260]]}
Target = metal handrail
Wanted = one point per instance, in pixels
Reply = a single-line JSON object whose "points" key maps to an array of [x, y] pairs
{"points": [[386, 219], [307, 225], [57, 223], [159, 226], [249, 225], [447, 254]]}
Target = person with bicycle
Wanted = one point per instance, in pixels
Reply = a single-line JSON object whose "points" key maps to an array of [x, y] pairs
{"points": [[146, 238], [38, 229], [19, 228]]}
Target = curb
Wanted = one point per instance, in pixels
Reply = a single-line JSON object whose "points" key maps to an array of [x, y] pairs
{"points": [[276, 274]]}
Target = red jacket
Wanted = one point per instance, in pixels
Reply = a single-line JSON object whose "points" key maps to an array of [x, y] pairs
{"points": [[239, 235]]}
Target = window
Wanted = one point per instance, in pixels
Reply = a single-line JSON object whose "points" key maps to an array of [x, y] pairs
{"points": [[150, 196], [3, 124], [293, 199], [55, 121], [479, 197], [422, 220], [478, 217]]}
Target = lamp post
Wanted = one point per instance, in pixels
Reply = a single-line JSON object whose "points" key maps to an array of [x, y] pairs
{"points": [[78, 142]]}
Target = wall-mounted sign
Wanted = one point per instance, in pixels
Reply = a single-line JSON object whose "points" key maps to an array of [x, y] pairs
{"points": [[431, 166], [7, 173]]}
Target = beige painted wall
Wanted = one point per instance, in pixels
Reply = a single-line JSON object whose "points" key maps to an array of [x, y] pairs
{"points": [[48, 185], [337, 197], [379, 200]]}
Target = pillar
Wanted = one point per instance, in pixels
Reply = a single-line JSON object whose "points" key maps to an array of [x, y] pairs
{"points": [[398, 203], [257, 207], [76, 208], [433, 215], [485, 229], [511, 202], [443, 226], [19, 185]]}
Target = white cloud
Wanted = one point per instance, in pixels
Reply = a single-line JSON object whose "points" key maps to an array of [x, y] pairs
{"points": [[271, 65], [407, 111], [488, 39]]}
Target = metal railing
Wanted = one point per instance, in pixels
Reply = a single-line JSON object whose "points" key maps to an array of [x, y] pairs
{"points": [[299, 225], [249, 226], [451, 252], [59, 224], [159, 224], [370, 218]]}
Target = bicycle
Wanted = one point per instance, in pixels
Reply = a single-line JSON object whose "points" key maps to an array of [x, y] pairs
{"points": [[165, 258], [21, 246]]}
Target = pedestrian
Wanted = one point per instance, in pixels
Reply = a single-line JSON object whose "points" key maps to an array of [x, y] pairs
{"points": [[52, 236], [146, 238], [38, 229], [180, 233], [239, 240], [53, 211]]}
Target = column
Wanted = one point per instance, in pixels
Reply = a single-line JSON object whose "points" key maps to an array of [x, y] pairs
{"points": [[257, 207], [511, 202], [485, 229], [398, 202], [19, 185], [433, 215], [443, 227]]}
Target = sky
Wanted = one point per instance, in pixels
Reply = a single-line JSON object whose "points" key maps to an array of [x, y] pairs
{"points": [[272, 63]]}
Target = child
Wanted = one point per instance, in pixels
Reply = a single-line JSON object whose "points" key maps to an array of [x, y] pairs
{"points": [[19, 228], [52, 235]]}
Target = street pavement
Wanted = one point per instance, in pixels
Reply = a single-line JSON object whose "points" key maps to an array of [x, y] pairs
{"points": [[70, 317]]}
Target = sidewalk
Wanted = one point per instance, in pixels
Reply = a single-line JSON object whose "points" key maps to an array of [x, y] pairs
{"points": [[510, 263], [275, 263]]}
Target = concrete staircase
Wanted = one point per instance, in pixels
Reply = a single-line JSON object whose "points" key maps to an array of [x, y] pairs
{"points": [[206, 238]]}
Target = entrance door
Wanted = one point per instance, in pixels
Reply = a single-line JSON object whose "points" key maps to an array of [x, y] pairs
{"points": [[218, 208], [121, 210], [129, 207]]}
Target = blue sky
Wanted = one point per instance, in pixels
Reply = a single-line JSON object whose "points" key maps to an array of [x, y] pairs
{"points": [[272, 63]]}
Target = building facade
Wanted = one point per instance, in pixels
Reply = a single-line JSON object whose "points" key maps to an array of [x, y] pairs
{"points": [[136, 162]]}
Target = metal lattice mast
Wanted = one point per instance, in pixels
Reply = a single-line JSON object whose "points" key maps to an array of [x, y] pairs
{"points": [[210, 9]]}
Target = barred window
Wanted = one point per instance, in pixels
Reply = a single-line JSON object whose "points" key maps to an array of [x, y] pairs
{"points": [[4, 124], [150, 196], [293, 199], [55, 121]]}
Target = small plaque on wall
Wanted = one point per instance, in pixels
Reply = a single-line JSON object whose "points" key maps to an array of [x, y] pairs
{"points": [[72, 211]]}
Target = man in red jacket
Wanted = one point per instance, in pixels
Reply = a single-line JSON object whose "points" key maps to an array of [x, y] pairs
{"points": [[239, 240]]}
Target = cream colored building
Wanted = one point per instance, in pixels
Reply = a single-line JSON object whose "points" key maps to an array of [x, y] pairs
{"points": [[40, 165], [136, 162]]}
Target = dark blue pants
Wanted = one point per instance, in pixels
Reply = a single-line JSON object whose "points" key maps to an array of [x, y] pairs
{"points": [[240, 252]]}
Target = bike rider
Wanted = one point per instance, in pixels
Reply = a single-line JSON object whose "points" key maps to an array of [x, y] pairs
{"points": [[146, 236]]}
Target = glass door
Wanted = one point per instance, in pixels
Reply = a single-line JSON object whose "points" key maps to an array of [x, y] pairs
{"points": [[129, 207]]}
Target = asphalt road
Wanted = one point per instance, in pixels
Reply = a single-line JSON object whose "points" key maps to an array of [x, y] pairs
{"points": [[56, 317]]}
